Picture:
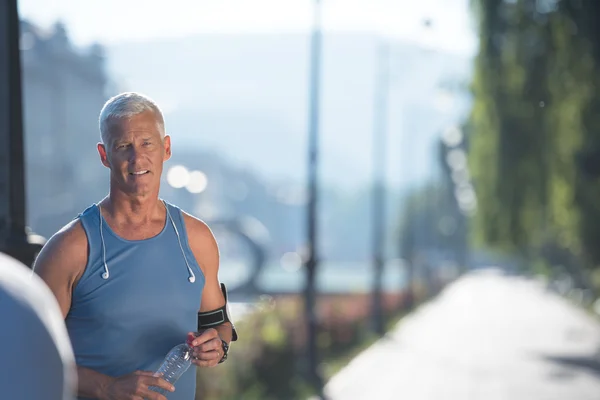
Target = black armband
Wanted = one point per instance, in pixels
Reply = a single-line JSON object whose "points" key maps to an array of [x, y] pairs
{"points": [[210, 319]]}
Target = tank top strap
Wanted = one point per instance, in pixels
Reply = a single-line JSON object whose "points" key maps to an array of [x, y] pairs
{"points": [[178, 220], [90, 219]]}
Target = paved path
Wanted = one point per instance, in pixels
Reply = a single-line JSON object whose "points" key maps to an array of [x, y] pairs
{"points": [[486, 337]]}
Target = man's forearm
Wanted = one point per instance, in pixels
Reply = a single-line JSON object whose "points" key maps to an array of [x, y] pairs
{"points": [[91, 384]]}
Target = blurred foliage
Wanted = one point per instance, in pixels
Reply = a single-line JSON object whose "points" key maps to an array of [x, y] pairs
{"points": [[431, 221], [535, 129], [268, 360]]}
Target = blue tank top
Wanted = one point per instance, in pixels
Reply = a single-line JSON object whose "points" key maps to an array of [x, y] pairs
{"points": [[147, 305]]}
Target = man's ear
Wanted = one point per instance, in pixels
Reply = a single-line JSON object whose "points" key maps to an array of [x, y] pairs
{"points": [[103, 156], [167, 144]]}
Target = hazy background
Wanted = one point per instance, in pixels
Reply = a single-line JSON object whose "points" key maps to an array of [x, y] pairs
{"points": [[232, 79]]}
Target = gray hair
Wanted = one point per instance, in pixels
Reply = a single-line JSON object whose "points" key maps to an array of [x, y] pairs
{"points": [[127, 105]]}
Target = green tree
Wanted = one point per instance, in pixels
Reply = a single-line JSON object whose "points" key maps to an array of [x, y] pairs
{"points": [[536, 108]]}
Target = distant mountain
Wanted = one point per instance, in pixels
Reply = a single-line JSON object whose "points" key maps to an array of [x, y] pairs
{"points": [[246, 97]]}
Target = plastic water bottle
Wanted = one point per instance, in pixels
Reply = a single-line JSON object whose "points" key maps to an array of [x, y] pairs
{"points": [[177, 361]]}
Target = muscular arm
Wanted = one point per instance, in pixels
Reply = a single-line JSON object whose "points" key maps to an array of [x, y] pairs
{"points": [[206, 251], [62, 261], [60, 264]]}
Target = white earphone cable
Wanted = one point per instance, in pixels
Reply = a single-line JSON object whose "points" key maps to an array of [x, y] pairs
{"points": [[106, 274]]}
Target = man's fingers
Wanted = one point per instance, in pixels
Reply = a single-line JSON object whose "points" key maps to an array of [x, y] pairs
{"points": [[159, 382], [204, 363], [149, 394], [208, 355], [144, 373], [207, 349], [205, 336], [214, 344]]}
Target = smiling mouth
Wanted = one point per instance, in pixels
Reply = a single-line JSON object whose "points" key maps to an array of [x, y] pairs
{"points": [[145, 171]]}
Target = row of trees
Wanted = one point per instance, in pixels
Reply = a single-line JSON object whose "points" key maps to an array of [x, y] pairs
{"points": [[534, 130]]}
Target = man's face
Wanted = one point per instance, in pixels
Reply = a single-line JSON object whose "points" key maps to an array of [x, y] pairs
{"points": [[135, 154]]}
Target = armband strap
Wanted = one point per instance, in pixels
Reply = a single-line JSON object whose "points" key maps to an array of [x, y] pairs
{"points": [[210, 319]]}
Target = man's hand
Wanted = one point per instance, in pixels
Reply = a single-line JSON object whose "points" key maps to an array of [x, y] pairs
{"points": [[208, 348], [135, 386]]}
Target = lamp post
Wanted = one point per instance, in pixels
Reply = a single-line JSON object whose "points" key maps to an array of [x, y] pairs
{"points": [[380, 111], [311, 261], [413, 242]]}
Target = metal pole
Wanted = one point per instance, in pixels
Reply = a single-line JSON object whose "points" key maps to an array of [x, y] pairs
{"points": [[13, 235], [313, 153], [379, 164], [409, 211]]}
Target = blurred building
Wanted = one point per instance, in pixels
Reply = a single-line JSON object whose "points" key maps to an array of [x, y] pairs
{"points": [[63, 92]]}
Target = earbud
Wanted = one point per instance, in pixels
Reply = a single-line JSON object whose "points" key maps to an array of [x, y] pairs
{"points": [[105, 275], [192, 279]]}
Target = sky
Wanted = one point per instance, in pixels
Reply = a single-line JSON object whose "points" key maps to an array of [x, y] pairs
{"points": [[112, 21], [115, 22]]}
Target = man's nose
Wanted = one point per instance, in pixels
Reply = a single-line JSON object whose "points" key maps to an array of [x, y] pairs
{"points": [[134, 153]]}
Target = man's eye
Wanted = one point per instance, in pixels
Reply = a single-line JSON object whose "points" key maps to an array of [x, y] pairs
{"points": [[147, 143]]}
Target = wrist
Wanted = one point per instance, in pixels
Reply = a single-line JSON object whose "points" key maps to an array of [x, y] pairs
{"points": [[102, 390]]}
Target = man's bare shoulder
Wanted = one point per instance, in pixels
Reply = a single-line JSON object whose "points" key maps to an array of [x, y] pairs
{"points": [[196, 227], [67, 248], [203, 243], [71, 236]]}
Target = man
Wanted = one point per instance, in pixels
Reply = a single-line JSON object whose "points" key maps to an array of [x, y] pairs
{"points": [[133, 275], [36, 357]]}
